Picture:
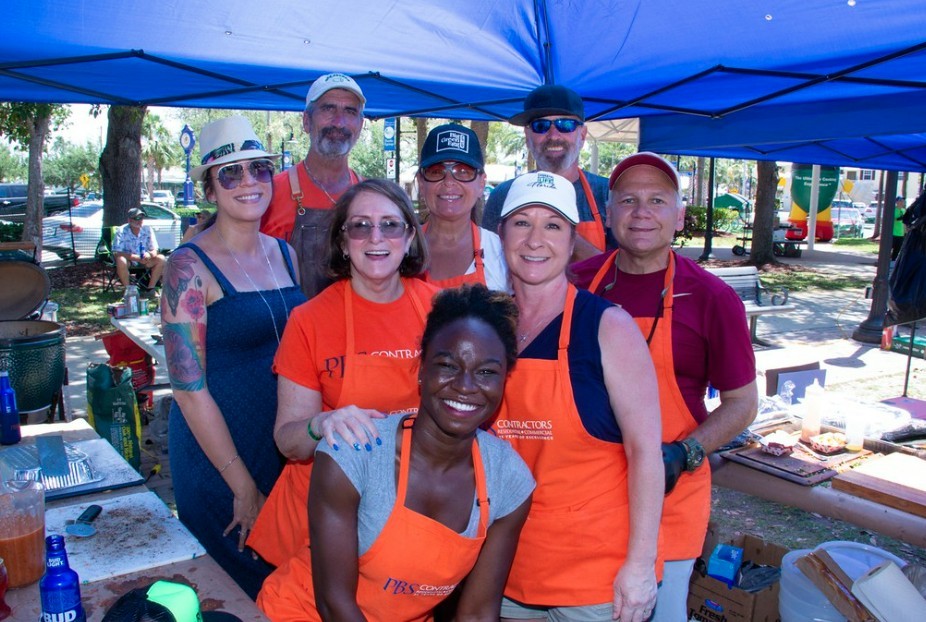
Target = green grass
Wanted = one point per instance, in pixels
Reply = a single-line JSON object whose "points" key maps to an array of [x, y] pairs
{"points": [[859, 244], [797, 280], [85, 306]]}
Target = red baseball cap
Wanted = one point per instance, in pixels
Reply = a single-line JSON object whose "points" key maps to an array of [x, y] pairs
{"points": [[645, 158]]}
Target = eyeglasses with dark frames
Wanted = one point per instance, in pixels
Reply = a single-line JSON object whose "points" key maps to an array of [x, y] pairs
{"points": [[458, 170], [231, 175], [563, 126], [362, 229]]}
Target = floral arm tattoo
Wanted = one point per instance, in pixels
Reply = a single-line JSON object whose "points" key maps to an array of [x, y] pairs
{"points": [[185, 324]]}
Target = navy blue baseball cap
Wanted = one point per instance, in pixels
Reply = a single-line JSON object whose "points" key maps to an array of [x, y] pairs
{"points": [[452, 142]]}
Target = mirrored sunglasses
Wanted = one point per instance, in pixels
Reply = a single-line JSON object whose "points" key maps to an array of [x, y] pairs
{"points": [[230, 175], [563, 126], [363, 229], [138, 218], [458, 170]]}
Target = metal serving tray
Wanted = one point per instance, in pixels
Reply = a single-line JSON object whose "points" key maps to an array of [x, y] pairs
{"points": [[23, 461]]}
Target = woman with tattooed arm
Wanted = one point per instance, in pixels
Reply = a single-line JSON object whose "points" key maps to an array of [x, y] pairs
{"points": [[226, 299]]}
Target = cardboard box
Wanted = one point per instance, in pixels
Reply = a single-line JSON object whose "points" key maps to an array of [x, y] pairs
{"points": [[710, 600], [902, 345]]}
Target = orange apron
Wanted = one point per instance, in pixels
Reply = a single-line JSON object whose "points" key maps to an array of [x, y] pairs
{"points": [[414, 564], [479, 276], [592, 231], [686, 510], [282, 527], [575, 538]]}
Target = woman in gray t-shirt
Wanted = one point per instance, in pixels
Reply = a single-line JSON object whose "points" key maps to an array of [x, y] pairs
{"points": [[396, 529]]}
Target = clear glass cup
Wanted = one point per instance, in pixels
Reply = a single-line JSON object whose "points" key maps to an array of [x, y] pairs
{"points": [[22, 530]]}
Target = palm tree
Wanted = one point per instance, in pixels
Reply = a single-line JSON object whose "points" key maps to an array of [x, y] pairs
{"points": [[158, 149]]}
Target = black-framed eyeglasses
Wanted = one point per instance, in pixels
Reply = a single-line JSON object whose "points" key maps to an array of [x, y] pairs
{"points": [[362, 229], [230, 175], [563, 126], [458, 170]]}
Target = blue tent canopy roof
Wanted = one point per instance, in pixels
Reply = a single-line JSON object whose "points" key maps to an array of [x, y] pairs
{"points": [[858, 68]]}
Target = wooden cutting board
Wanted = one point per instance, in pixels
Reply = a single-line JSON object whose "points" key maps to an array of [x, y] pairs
{"points": [[134, 532], [895, 480]]}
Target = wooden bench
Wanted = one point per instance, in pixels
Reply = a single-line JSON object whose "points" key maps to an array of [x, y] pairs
{"points": [[757, 299]]}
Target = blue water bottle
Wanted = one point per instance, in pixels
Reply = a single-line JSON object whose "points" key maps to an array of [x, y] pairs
{"points": [[9, 414], [59, 587]]}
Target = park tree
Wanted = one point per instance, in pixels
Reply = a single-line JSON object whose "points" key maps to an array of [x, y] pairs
{"points": [[160, 150], [28, 125], [66, 162], [764, 216], [13, 165], [120, 163]]}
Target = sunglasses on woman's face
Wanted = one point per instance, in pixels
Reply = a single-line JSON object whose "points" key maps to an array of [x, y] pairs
{"points": [[362, 229], [563, 126], [458, 170], [231, 175]]}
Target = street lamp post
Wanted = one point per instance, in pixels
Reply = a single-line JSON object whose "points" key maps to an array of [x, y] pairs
{"points": [[187, 141]]}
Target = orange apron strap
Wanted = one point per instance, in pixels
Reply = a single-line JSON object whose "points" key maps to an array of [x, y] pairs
{"points": [[565, 329], [612, 260], [596, 236]]}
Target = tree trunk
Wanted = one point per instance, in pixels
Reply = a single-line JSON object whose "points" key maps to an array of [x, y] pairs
{"points": [[421, 127], [481, 128], [764, 218], [150, 178], [120, 163], [35, 201], [700, 197]]}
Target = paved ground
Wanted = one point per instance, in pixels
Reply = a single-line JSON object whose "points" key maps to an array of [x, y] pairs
{"points": [[820, 329]]}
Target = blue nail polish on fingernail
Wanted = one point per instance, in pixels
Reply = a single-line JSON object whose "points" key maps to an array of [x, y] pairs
{"points": [[357, 446], [368, 447], [379, 441], [335, 447]]}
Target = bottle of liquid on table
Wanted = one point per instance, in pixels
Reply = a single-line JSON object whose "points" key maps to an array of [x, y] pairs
{"points": [[131, 301], [9, 414], [814, 403], [59, 588]]}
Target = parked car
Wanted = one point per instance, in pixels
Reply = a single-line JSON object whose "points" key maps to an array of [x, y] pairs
{"points": [[86, 225], [13, 202], [163, 197], [870, 212], [847, 222], [863, 210]]}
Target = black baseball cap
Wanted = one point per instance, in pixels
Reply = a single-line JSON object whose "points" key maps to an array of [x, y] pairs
{"points": [[137, 212], [452, 142], [549, 100]]}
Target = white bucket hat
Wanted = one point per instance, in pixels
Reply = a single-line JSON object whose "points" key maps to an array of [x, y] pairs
{"points": [[228, 140], [541, 188], [334, 81]]}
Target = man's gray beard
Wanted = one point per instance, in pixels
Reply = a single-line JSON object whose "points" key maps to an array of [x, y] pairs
{"points": [[334, 147], [557, 164]]}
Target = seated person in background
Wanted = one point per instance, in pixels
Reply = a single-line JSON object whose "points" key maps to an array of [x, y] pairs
{"points": [[395, 530], [202, 217], [135, 244]]}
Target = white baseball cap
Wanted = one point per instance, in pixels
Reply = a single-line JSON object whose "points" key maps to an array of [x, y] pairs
{"points": [[334, 81], [542, 188]]}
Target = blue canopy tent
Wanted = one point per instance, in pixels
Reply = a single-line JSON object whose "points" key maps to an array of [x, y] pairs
{"points": [[688, 61]]}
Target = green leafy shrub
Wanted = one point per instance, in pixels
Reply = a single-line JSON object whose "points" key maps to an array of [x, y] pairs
{"points": [[11, 232], [724, 219]]}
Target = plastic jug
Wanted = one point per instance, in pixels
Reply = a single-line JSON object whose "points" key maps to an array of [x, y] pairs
{"points": [[814, 403], [22, 530]]}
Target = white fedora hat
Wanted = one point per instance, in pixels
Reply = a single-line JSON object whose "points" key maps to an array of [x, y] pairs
{"points": [[228, 140]]}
